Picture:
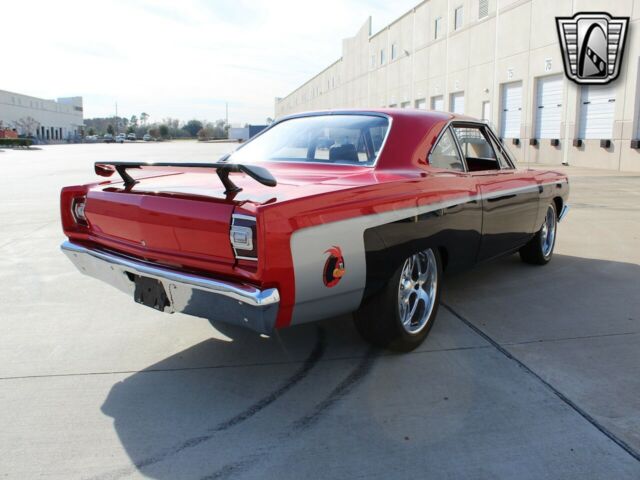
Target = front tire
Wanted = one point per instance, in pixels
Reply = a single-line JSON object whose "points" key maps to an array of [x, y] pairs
{"points": [[539, 250], [401, 315]]}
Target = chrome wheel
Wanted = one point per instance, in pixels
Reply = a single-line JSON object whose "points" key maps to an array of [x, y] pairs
{"points": [[417, 290], [548, 232]]}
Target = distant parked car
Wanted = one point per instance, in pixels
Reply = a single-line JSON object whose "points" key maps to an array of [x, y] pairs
{"points": [[148, 138], [121, 137], [132, 136], [108, 138], [91, 138]]}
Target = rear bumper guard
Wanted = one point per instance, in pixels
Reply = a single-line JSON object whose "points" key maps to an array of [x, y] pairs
{"points": [[234, 303]]}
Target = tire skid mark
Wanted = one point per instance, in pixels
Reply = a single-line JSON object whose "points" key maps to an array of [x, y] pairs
{"points": [[310, 362], [339, 392], [306, 421]]}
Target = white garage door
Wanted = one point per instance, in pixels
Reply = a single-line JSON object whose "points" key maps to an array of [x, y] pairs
{"points": [[457, 103], [597, 107], [549, 107], [437, 103], [511, 110]]}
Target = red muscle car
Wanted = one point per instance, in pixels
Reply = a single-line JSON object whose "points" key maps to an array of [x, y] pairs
{"points": [[319, 215]]}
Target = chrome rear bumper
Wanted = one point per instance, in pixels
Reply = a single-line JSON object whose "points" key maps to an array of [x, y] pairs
{"points": [[235, 303]]}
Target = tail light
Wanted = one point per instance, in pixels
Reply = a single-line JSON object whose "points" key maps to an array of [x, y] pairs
{"points": [[72, 209], [77, 210], [243, 237]]}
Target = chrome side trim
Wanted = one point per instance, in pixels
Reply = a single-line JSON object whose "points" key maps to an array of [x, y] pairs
{"points": [[563, 212], [235, 303]]}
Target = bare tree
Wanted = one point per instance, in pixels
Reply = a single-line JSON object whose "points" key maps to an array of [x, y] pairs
{"points": [[27, 126]]}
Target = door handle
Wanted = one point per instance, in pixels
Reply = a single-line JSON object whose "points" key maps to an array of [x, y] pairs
{"points": [[540, 189]]}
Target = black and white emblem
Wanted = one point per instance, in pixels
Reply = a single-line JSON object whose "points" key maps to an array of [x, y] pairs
{"points": [[592, 46]]}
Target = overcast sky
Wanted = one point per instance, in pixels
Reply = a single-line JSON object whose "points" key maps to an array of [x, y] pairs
{"points": [[180, 59]]}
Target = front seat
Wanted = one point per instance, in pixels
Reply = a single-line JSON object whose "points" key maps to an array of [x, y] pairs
{"points": [[344, 153]]}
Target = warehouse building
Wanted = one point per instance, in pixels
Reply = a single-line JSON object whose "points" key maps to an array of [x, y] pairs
{"points": [[47, 120], [497, 60]]}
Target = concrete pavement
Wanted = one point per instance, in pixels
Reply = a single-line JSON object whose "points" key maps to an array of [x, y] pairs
{"points": [[529, 373]]}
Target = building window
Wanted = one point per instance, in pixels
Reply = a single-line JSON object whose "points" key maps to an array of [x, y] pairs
{"points": [[394, 51], [456, 103], [437, 28], [458, 18], [437, 103], [382, 56], [483, 9], [373, 60], [486, 112], [421, 104], [405, 104]]}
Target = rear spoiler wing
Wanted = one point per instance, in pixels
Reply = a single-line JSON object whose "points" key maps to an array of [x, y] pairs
{"points": [[259, 174]]}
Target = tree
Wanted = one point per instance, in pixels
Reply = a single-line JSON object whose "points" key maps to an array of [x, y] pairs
{"points": [[110, 129], [164, 131], [91, 131], [27, 126], [144, 118], [193, 127], [130, 129], [133, 121], [153, 132]]}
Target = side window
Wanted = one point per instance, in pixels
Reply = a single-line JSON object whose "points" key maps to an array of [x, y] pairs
{"points": [[445, 154], [476, 148]]}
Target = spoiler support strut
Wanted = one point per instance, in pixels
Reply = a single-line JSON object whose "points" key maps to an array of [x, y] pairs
{"points": [[259, 174]]}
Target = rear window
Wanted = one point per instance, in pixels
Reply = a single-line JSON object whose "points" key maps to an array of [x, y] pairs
{"points": [[332, 139]]}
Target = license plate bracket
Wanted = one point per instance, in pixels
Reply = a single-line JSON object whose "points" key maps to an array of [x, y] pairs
{"points": [[150, 292]]}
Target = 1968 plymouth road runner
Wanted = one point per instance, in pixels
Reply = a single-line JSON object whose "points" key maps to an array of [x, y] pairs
{"points": [[321, 214]]}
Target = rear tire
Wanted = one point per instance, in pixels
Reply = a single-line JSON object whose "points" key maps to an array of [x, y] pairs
{"points": [[539, 250], [401, 315]]}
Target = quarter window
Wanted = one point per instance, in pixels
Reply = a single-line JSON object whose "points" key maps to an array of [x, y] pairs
{"points": [[476, 149], [445, 154]]}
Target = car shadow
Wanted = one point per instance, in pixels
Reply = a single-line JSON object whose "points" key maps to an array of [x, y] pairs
{"points": [[571, 296], [189, 399], [214, 391]]}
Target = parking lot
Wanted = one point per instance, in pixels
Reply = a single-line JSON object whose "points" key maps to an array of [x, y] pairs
{"points": [[529, 372]]}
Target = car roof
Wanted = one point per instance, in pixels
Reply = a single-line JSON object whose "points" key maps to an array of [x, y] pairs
{"points": [[412, 135], [414, 113]]}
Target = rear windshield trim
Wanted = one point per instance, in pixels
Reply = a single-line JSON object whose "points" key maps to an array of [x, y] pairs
{"points": [[321, 114]]}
